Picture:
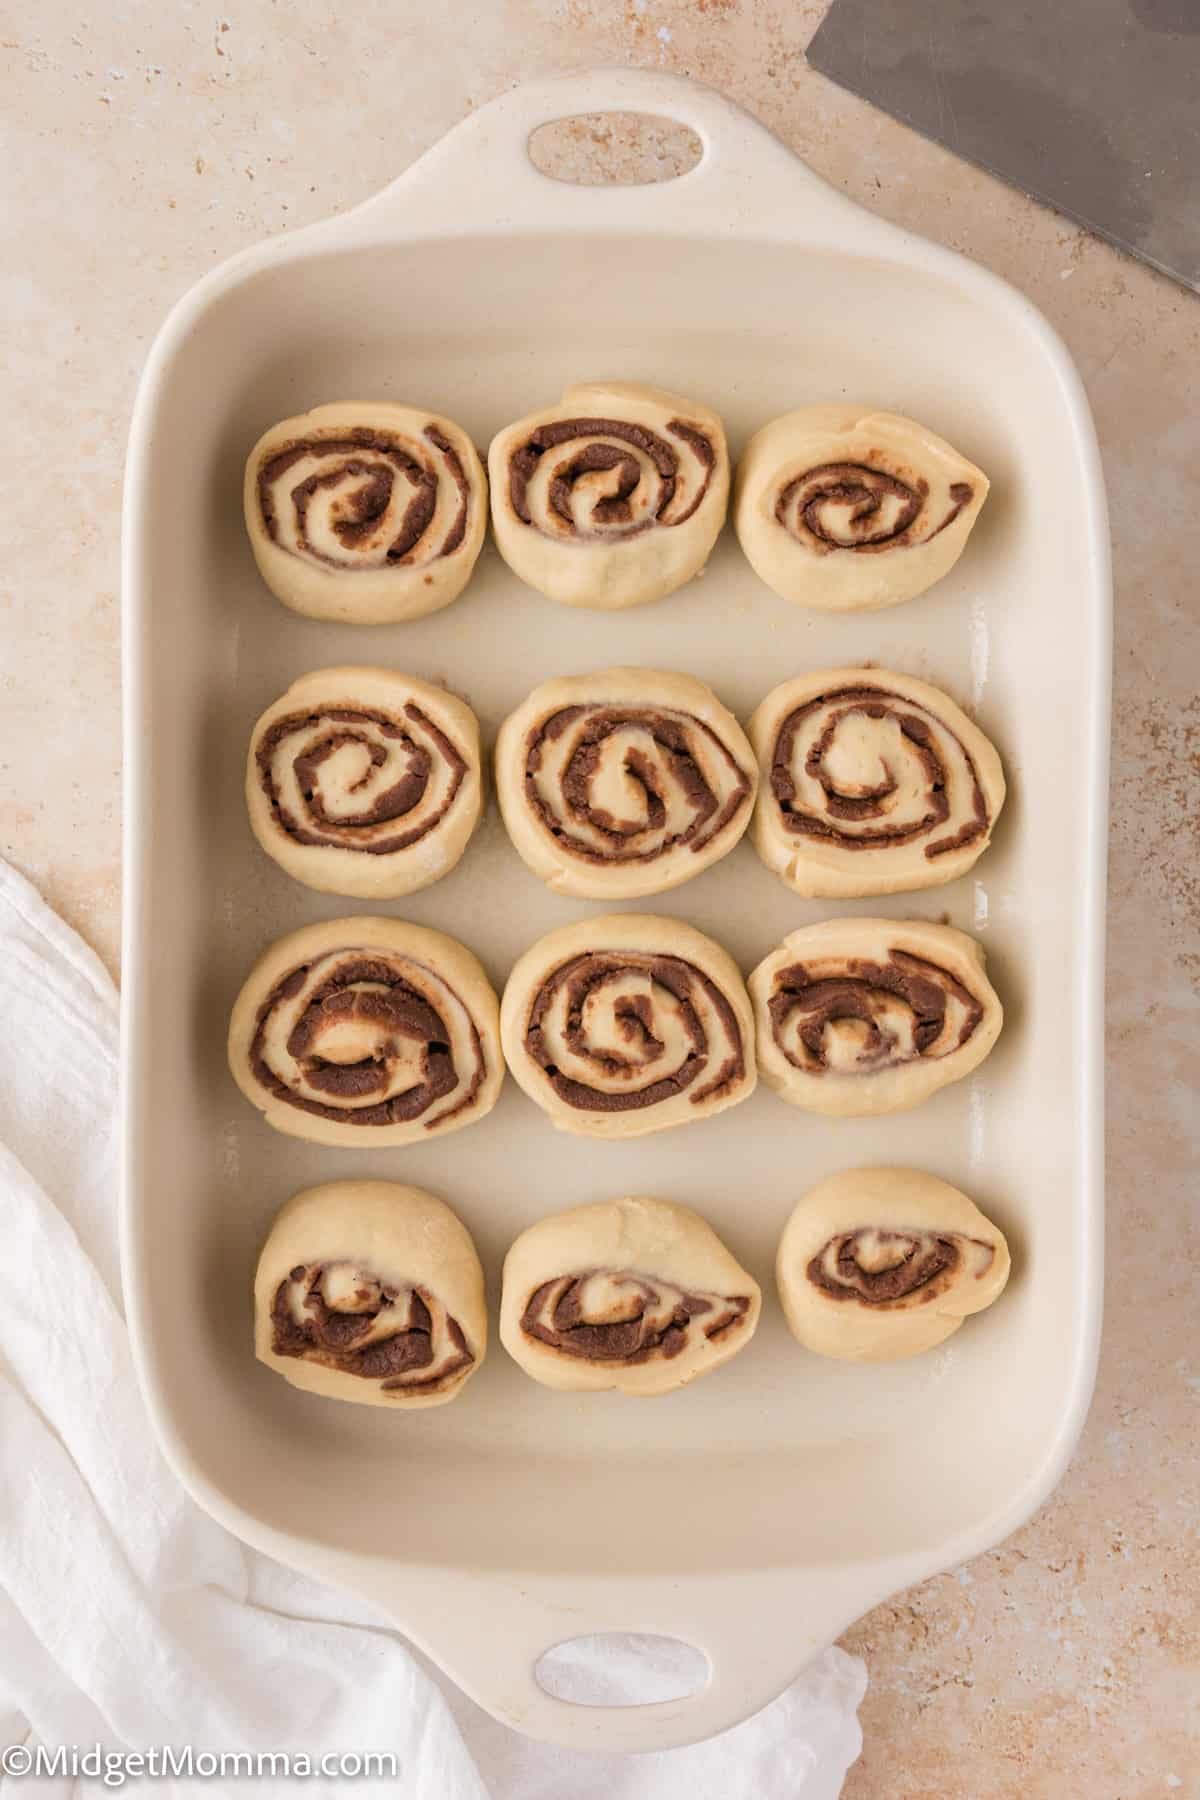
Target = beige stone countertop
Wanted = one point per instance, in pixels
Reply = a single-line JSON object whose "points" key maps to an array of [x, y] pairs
{"points": [[146, 143]]}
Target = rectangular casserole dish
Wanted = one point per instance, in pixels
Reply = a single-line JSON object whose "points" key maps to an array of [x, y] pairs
{"points": [[757, 1514]]}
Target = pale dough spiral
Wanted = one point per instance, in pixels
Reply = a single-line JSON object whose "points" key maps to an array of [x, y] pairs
{"points": [[872, 783], [876, 1264], [862, 1016], [611, 498], [850, 510], [628, 1024], [639, 1295], [367, 513], [367, 1033], [365, 782], [370, 1292], [623, 783]]}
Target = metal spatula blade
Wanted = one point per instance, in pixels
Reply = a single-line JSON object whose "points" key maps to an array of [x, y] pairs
{"points": [[1090, 105]]}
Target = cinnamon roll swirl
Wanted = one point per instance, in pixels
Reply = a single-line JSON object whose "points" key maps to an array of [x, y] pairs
{"points": [[623, 783], [611, 498], [872, 783], [371, 1292], [860, 1016], [629, 1024], [639, 1295], [876, 1264], [365, 782], [849, 511], [367, 513], [367, 1033]]}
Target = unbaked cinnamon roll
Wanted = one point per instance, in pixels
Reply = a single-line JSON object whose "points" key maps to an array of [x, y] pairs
{"points": [[623, 783], [367, 1033], [367, 513], [859, 1016], [876, 1264], [371, 1292], [629, 1024], [365, 782], [611, 498], [849, 510], [872, 783], [639, 1295]]}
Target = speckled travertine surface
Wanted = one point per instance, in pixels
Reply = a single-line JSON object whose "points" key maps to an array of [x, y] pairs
{"points": [[148, 143]]}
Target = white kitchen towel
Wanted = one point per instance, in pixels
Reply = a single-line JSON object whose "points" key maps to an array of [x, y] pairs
{"points": [[128, 1618]]}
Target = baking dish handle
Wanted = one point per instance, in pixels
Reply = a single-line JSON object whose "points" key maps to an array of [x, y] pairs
{"points": [[490, 1635], [479, 178]]}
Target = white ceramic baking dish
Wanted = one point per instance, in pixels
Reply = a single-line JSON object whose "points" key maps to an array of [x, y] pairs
{"points": [[761, 1511]]}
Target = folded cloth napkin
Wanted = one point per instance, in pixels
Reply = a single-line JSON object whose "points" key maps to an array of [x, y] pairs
{"points": [[129, 1618]]}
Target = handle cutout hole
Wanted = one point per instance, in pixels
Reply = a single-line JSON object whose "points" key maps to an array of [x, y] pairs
{"points": [[619, 1668], [617, 149]]}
